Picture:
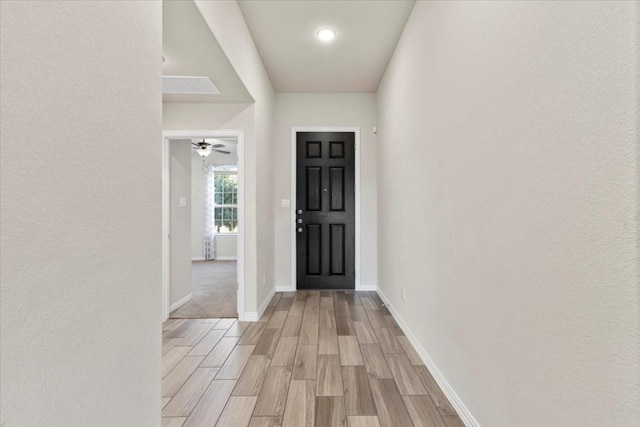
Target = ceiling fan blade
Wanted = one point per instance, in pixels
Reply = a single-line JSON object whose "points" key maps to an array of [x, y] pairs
{"points": [[222, 151], [218, 145], [201, 145]]}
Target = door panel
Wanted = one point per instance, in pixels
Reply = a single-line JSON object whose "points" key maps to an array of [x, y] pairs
{"points": [[325, 227], [337, 248], [336, 188], [314, 188], [314, 249]]}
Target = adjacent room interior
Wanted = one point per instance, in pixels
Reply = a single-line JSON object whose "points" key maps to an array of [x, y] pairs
{"points": [[203, 187]]}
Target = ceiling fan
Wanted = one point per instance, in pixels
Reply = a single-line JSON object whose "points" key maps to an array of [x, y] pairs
{"points": [[205, 148]]}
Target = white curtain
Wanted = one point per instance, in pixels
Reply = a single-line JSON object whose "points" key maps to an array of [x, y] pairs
{"points": [[209, 204]]}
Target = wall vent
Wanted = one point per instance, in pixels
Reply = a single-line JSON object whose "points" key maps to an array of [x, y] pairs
{"points": [[188, 85]]}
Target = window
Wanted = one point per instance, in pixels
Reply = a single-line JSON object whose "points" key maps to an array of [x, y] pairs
{"points": [[225, 211]]}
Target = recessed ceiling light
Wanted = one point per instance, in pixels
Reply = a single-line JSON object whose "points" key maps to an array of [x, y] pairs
{"points": [[326, 34]]}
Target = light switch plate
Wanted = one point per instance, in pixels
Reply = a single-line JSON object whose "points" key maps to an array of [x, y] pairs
{"points": [[182, 202], [286, 203]]}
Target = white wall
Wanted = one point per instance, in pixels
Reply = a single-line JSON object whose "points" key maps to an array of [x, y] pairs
{"points": [[508, 205], [180, 227], [357, 110], [228, 26], [226, 247], [80, 254]]}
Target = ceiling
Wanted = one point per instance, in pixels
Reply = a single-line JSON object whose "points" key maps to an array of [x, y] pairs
{"points": [[191, 49], [296, 61]]}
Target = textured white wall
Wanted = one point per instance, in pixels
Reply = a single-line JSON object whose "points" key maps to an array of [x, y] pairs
{"points": [[508, 205], [230, 30], [80, 259], [180, 227], [357, 110]]}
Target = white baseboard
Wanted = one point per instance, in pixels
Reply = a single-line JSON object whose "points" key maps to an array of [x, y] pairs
{"points": [[254, 316], [226, 258], [180, 302], [285, 289], [197, 258], [249, 316], [266, 302], [463, 412]]}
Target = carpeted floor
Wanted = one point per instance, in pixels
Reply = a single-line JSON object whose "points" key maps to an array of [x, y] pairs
{"points": [[214, 291]]}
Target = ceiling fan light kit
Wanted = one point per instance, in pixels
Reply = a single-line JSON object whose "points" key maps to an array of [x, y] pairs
{"points": [[203, 151], [204, 148]]}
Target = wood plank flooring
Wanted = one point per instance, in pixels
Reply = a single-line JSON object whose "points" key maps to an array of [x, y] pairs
{"points": [[315, 358]]}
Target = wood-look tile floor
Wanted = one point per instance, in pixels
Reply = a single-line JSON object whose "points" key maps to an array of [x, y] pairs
{"points": [[315, 358]]}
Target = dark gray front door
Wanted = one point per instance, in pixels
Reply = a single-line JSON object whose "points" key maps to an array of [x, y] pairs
{"points": [[325, 210]]}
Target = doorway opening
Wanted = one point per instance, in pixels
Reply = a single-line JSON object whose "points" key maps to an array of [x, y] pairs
{"points": [[203, 224]]}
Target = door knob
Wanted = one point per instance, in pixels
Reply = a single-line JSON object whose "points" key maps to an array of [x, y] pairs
{"points": [[300, 221], [299, 229], [299, 211]]}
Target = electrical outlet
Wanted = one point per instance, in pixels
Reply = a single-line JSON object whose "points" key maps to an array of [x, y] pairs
{"points": [[404, 294]]}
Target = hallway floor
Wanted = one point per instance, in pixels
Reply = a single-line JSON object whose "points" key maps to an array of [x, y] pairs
{"points": [[315, 358], [215, 285]]}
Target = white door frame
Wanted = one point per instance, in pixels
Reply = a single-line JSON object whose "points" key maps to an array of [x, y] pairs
{"points": [[294, 130], [189, 134]]}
